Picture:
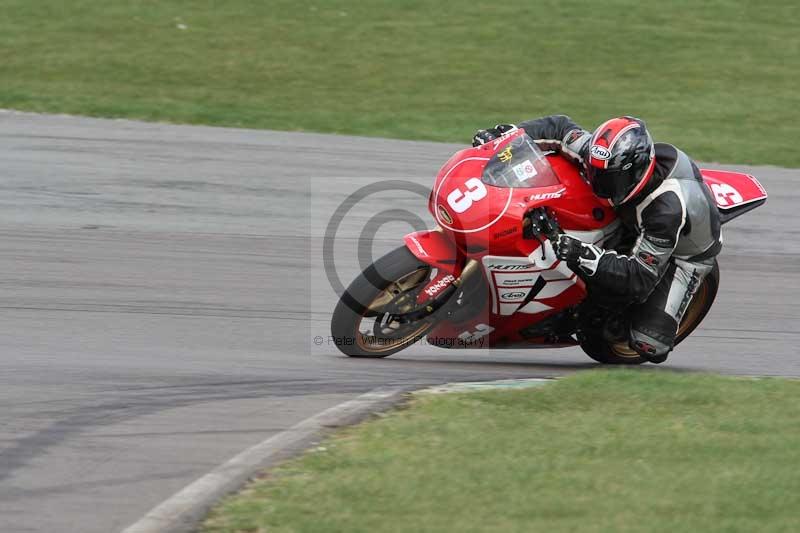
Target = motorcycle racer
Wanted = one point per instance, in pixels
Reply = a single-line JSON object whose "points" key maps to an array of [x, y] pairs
{"points": [[659, 194]]}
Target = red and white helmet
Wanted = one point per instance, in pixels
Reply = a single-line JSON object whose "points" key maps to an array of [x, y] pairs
{"points": [[620, 159]]}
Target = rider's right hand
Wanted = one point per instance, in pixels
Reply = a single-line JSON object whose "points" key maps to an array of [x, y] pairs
{"points": [[576, 253]]}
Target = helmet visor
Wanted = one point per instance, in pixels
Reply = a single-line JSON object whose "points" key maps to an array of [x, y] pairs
{"points": [[613, 185]]}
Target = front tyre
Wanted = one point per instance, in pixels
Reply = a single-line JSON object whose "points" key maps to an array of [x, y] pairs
{"points": [[603, 351], [364, 322]]}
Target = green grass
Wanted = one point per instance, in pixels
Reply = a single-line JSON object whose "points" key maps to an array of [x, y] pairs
{"points": [[718, 78], [605, 451]]}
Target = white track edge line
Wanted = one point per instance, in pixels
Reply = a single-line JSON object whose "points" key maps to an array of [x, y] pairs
{"points": [[181, 511]]}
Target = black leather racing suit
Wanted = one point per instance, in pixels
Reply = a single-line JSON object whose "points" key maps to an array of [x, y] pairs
{"points": [[675, 223]]}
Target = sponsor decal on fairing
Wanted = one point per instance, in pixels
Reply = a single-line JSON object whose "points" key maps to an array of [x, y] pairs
{"points": [[445, 215], [516, 295], [505, 155], [509, 279], [525, 170], [418, 245], [505, 232], [548, 195], [498, 266], [434, 289], [512, 279]]}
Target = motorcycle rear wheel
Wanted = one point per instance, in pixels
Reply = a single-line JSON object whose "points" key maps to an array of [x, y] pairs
{"points": [[386, 288], [621, 353]]}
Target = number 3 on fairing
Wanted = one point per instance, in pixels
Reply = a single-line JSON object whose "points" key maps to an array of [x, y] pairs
{"points": [[461, 201]]}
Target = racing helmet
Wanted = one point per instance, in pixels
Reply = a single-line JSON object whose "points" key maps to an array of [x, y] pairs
{"points": [[620, 159]]}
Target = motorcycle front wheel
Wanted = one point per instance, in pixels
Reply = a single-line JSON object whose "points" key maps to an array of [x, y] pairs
{"points": [[621, 353], [365, 322]]}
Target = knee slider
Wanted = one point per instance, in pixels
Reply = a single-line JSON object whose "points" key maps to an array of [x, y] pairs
{"points": [[653, 347], [652, 335], [652, 350]]}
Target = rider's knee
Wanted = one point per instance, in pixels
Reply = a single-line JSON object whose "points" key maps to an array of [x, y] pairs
{"points": [[653, 337]]}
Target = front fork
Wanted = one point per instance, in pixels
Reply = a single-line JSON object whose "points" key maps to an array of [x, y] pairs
{"points": [[453, 269]]}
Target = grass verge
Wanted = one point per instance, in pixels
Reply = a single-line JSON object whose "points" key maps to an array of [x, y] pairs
{"points": [[605, 451], [718, 78]]}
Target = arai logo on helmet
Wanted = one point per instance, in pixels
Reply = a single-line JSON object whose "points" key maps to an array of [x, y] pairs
{"points": [[600, 152]]}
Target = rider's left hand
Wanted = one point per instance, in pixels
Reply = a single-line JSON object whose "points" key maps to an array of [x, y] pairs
{"points": [[578, 253]]}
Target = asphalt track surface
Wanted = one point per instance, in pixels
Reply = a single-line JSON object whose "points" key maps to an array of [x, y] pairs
{"points": [[162, 286]]}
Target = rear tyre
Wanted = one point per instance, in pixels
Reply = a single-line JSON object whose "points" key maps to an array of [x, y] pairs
{"points": [[363, 322], [620, 353]]}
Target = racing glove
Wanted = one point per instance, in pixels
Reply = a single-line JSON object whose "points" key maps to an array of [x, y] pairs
{"points": [[484, 136], [577, 253]]}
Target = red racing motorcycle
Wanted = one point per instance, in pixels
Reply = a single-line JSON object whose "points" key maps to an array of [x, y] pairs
{"points": [[487, 275]]}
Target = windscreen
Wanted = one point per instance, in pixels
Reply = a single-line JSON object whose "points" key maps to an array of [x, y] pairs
{"points": [[519, 164]]}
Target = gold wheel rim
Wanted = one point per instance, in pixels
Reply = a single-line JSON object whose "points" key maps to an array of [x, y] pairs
{"points": [[395, 288], [621, 349], [370, 343], [696, 307]]}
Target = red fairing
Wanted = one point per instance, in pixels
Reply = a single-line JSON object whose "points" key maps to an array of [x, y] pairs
{"points": [[434, 248], [490, 217], [733, 189], [483, 222]]}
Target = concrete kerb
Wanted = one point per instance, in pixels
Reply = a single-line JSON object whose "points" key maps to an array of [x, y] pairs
{"points": [[182, 511]]}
